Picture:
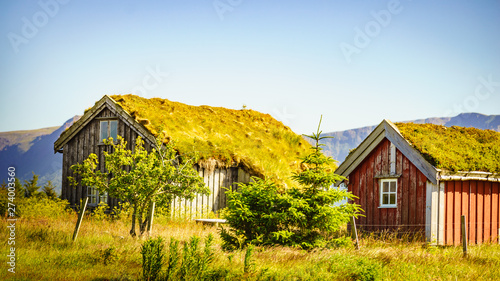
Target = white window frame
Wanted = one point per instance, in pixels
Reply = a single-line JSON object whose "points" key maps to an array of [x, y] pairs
{"points": [[389, 193], [95, 197], [108, 130]]}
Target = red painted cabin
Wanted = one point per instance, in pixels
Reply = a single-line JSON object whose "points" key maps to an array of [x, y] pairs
{"points": [[399, 190]]}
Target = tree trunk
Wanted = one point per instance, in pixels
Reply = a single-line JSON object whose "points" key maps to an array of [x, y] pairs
{"points": [[142, 223], [132, 230]]}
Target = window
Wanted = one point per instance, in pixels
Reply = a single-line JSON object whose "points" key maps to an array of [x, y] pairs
{"points": [[109, 128], [388, 193], [95, 197]]}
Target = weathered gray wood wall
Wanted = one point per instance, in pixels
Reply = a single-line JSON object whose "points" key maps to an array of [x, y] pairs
{"points": [[217, 181]]}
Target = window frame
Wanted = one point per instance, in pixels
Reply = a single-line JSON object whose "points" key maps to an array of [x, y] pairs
{"points": [[95, 197], [389, 192], [108, 130]]}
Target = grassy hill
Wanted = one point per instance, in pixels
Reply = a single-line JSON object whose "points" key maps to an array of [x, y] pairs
{"points": [[222, 137]]}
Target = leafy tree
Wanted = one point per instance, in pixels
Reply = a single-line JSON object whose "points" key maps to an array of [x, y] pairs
{"points": [[261, 213], [50, 190], [141, 177]]}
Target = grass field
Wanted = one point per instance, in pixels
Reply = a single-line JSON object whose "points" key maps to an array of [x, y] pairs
{"points": [[105, 251]]}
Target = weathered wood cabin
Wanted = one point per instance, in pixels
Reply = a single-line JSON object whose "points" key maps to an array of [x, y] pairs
{"points": [[232, 145], [422, 178]]}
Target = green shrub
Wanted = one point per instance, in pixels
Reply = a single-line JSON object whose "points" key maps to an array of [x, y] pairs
{"points": [[100, 212], [123, 212], [355, 267], [42, 207], [194, 264], [249, 264], [152, 251]]}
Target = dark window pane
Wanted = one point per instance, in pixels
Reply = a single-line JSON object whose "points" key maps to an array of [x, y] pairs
{"points": [[393, 186], [385, 199], [385, 187], [393, 199]]}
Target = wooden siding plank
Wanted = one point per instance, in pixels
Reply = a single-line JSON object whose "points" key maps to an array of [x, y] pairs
{"points": [[65, 185], [367, 197], [206, 201], [487, 211], [371, 186], [223, 176], [72, 161], [480, 214], [457, 212], [413, 197], [473, 212], [384, 153], [449, 213], [383, 216], [79, 159], [216, 187], [465, 193], [494, 211], [353, 186], [399, 170], [405, 190], [421, 200]]}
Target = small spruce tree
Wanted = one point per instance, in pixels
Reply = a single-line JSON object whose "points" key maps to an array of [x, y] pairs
{"points": [[306, 216]]}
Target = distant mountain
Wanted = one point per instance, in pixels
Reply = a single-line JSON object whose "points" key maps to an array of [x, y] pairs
{"points": [[343, 141], [32, 151]]}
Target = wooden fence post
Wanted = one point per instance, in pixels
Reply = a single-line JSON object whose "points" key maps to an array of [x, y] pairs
{"points": [[83, 206], [150, 218], [464, 236], [354, 232]]}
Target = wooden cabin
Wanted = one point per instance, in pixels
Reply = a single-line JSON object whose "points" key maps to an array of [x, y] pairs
{"points": [[223, 162], [421, 178]]}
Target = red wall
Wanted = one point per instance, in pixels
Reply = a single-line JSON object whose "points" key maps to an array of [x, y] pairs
{"points": [[410, 212], [479, 201]]}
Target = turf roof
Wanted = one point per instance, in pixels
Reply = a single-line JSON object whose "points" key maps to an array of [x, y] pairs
{"points": [[230, 137], [455, 148]]}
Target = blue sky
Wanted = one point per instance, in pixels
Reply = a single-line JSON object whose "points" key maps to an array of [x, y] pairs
{"points": [[355, 62]]}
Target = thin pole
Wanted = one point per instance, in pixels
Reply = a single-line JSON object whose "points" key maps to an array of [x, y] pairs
{"points": [[150, 218], [464, 236], [83, 206], [354, 232]]}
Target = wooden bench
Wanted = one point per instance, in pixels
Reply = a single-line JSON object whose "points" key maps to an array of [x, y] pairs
{"points": [[211, 221]]}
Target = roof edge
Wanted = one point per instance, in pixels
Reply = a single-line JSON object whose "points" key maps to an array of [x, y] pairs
{"points": [[445, 175], [105, 101], [387, 129]]}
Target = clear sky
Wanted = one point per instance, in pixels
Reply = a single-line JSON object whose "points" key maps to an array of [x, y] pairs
{"points": [[355, 62]]}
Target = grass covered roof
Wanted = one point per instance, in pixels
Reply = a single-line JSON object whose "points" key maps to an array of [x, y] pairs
{"points": [[455, 148], [227, 137]]}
